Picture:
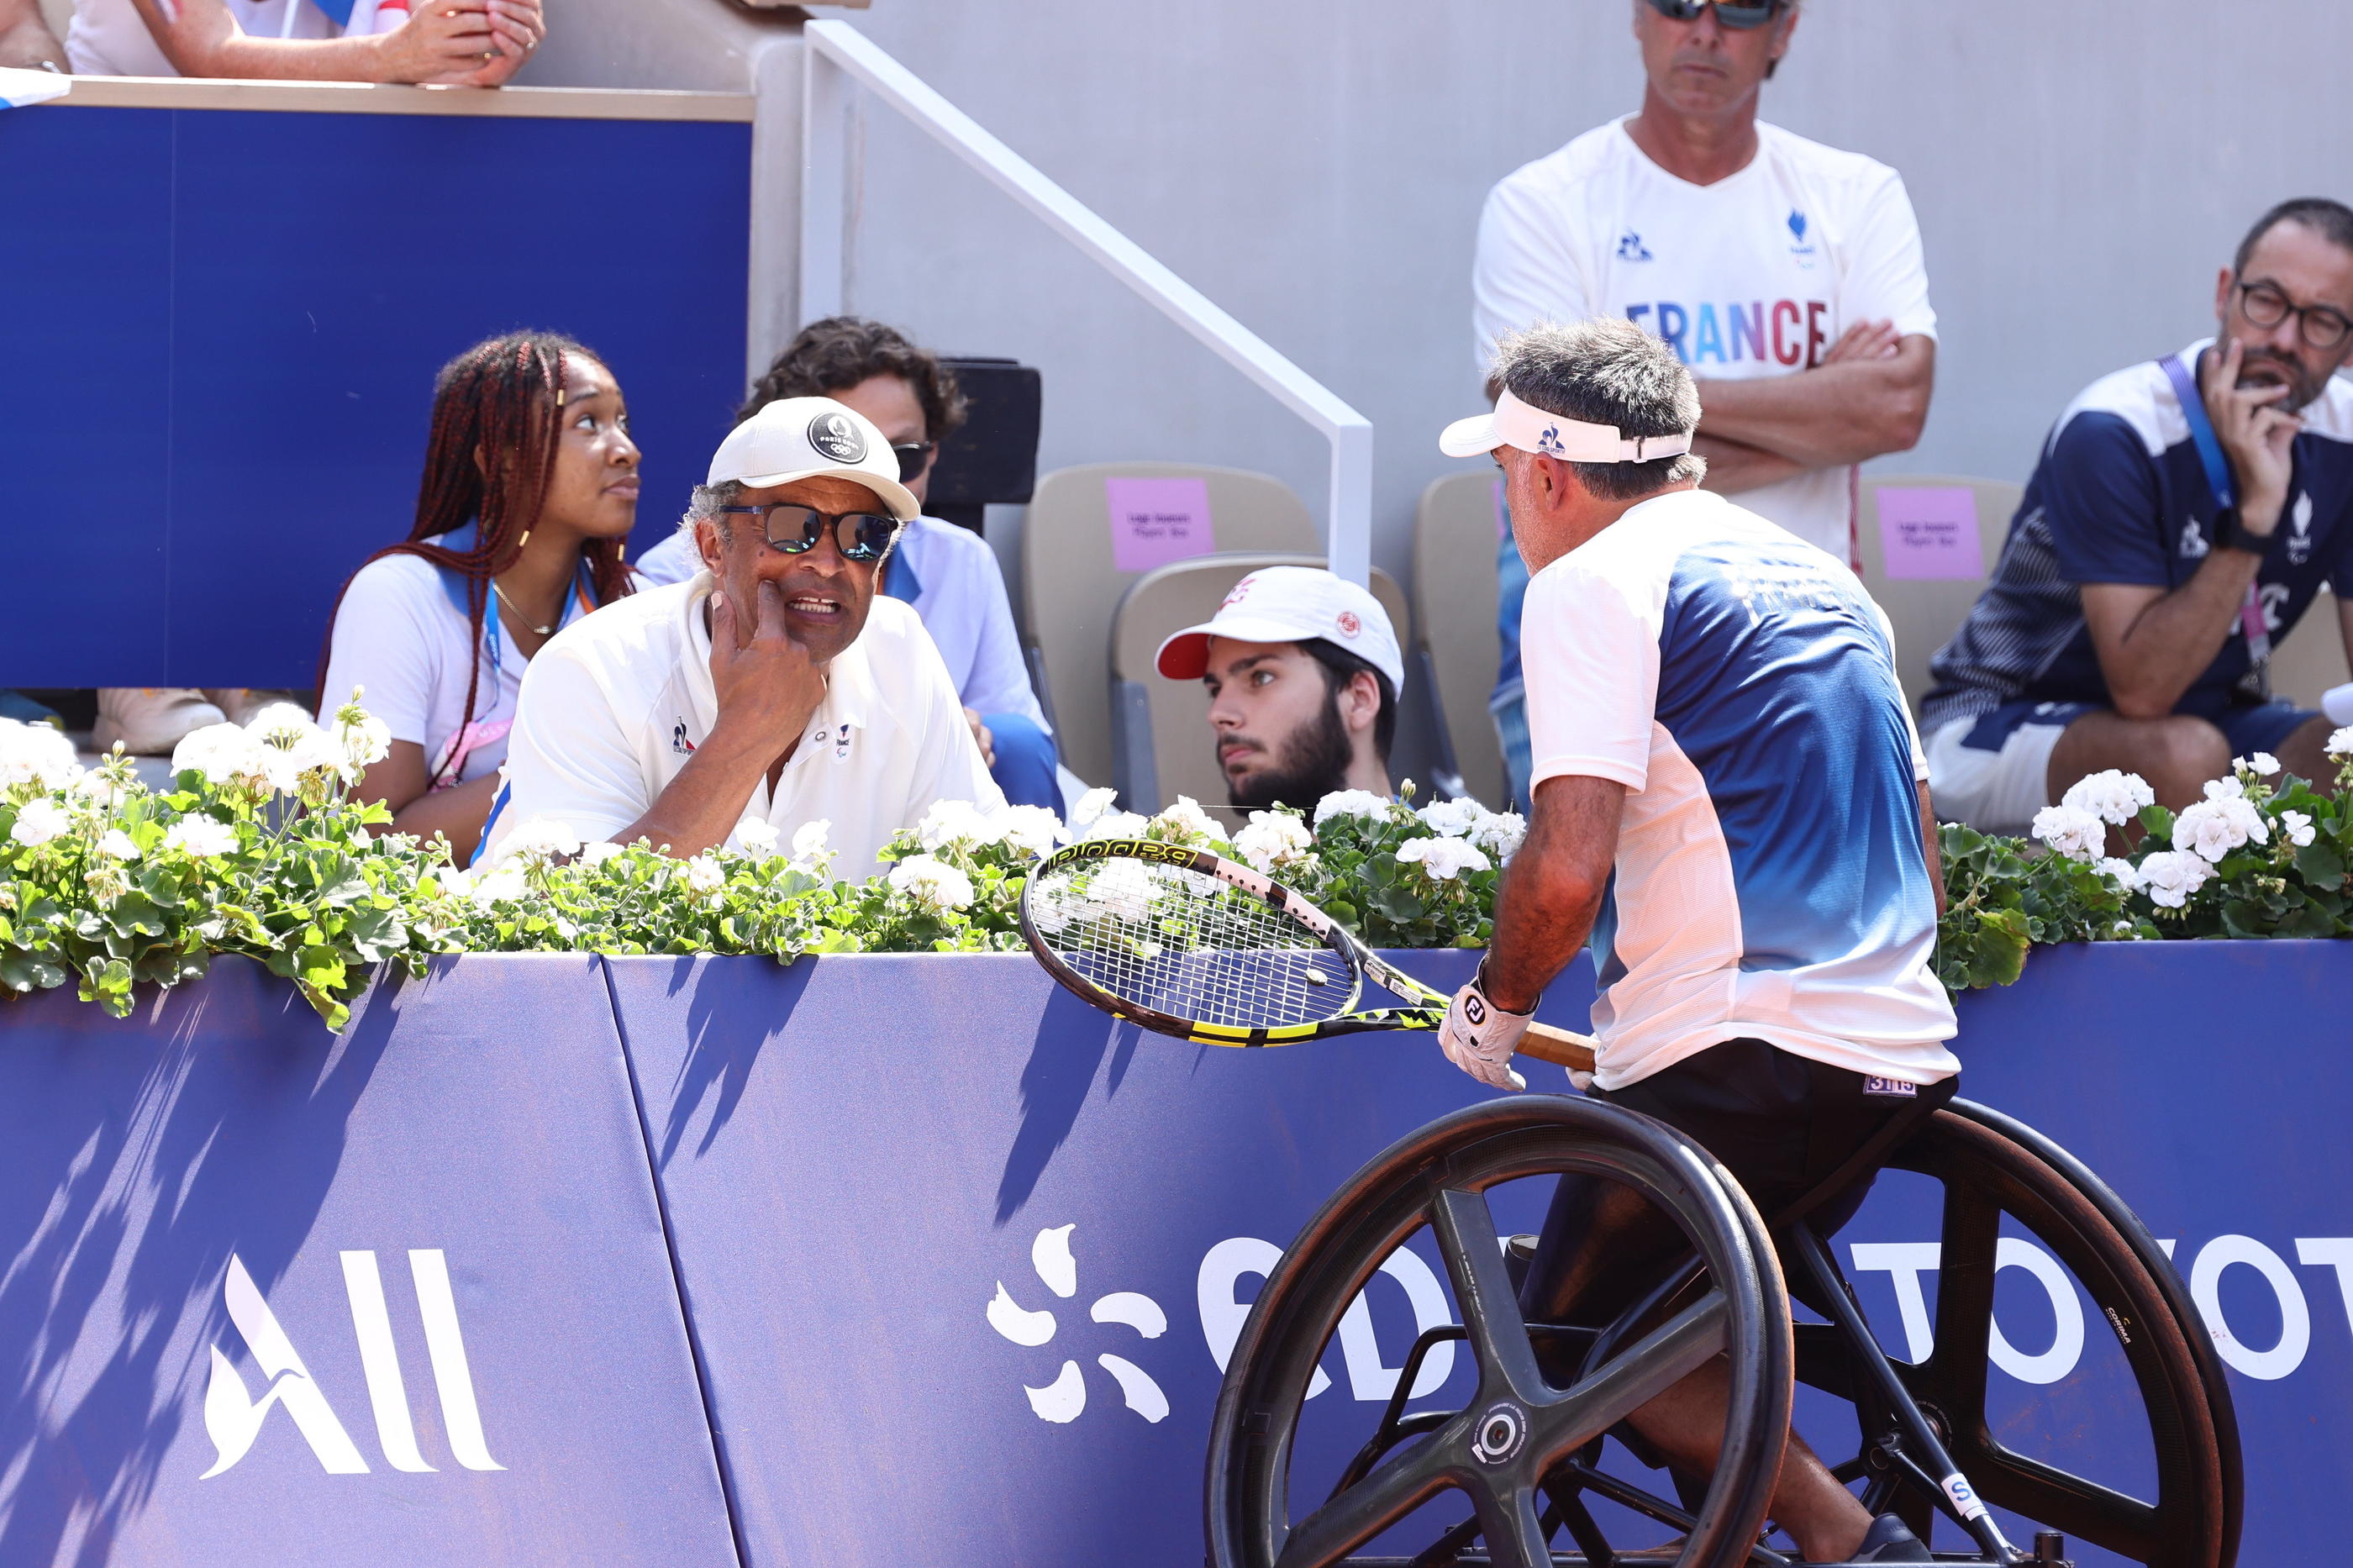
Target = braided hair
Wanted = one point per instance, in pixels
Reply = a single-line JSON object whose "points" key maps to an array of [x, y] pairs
{"points": [[504, 398]]}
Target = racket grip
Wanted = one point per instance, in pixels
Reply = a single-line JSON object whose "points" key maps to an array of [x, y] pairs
{"points": [[1562, 1048]]}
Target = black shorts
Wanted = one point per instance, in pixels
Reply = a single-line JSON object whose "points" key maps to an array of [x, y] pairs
{"points": [[1782, 1124]]}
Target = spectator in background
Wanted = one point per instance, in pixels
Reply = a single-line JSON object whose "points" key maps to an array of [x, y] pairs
{"points": [[949, 574], [26, 41], [467, 43], [1786, 273], [2146, 578], [530, 490], [771, 695], [1303, 671]]}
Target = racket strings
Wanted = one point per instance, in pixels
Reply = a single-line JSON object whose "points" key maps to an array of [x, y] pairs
{"points": [[1179, 942]]}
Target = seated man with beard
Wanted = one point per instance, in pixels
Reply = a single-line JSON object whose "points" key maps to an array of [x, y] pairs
{"points": [[1303, 671]]}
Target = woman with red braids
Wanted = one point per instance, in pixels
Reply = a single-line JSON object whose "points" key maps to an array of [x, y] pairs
{"points": [[530, 490]]}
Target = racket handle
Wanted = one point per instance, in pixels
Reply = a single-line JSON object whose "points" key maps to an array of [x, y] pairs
{"points": [[1562, 1048]]}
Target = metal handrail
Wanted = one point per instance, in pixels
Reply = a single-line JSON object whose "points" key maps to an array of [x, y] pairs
{"points": [[837, 53]]}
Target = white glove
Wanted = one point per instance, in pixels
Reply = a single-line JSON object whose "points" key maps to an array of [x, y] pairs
{"points": [[1478, 1038]]}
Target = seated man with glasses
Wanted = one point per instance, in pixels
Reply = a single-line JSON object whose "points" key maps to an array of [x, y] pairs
{"points": [[771, 688], [949, 573], [2184, 514]]}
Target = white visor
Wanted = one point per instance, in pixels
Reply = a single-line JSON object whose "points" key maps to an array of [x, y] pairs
{"points": [[1531, 429]]}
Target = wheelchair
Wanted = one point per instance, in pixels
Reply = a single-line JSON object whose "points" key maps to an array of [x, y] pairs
{"points": [[1527, 1457]]}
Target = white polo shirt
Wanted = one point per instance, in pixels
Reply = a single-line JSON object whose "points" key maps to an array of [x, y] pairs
{"points": [[614, 704]]}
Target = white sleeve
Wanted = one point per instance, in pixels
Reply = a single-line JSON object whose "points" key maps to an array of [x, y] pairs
{"points": [[387, 637], [1527, 268], [947, 759], [1886, 277], [1590, 654], [999, 681], [569, 756], [1911, 728]]}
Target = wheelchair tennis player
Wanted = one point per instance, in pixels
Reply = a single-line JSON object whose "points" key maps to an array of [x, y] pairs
{"points": [[1731, 803]]}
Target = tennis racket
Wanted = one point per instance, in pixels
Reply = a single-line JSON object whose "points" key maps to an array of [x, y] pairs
{"points": [[1191, 944]]}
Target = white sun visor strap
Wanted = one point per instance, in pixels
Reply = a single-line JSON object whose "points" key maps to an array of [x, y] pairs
{"points": [[1532, 429]]}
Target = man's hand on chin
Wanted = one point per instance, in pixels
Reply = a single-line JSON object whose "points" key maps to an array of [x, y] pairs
{"points": [[766, 681]]}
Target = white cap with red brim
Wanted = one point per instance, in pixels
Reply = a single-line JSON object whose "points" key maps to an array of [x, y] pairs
{"points": [[1290, 603], [1532, 429]]}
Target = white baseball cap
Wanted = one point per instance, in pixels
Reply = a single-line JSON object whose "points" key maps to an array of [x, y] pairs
{"points": [[1290, 603], [1533, 429], [807, 437]]}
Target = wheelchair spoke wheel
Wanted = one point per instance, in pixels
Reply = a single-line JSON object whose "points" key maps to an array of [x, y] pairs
{"points": [[1992, 1167], [1517, 1452]]}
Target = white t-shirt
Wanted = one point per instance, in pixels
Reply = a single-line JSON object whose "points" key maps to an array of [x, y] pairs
{"points": [[613, 708], [1756, 274], [1771, 883], [402, 636], [107, 37], [960, 594]]}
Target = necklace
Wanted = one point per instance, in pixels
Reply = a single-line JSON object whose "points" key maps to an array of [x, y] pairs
{"points": [[510, 603]]}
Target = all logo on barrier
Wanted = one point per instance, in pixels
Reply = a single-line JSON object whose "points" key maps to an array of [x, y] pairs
{"points": [[234, 1417]]}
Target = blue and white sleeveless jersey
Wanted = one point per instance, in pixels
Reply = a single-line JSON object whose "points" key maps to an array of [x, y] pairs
{"points": [[1770, 880]]}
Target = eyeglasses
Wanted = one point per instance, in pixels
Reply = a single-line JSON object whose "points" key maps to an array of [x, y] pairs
{"points": [[2320, 326], [860, 536], [913, 459], [1739, 18]]}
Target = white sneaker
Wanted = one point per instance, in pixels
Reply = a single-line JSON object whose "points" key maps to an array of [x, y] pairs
{"points": [[148, 721]]}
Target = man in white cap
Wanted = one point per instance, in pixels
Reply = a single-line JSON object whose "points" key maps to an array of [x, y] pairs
{"points": [[1303, 671], [1730, 802], [772, 687]]}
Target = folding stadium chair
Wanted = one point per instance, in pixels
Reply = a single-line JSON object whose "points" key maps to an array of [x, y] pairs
{"points": [[1456, 533], [1072, 575], [1925, 611], [1160, 726]]}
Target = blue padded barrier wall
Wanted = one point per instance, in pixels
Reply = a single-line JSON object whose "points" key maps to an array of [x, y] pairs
{"points": [[224, 327], [240, 1259]]}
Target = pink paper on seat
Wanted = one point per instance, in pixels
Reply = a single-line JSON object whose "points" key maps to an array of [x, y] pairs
{"points": [[1155, 521]]}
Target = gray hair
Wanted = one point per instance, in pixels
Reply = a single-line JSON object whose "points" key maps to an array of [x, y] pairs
{"points": [[1606, 372], [707, 499]]}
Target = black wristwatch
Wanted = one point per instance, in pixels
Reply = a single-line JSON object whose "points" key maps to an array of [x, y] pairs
{"points": [[2229, 533]]}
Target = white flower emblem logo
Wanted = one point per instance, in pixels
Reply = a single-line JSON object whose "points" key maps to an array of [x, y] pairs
{"points": [[1063, 1399]]}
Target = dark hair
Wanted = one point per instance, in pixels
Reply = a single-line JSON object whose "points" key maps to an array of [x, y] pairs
{"points": [[1608, 372], [2332, 221], [837, 352], [503, 397], [1341, 666]]}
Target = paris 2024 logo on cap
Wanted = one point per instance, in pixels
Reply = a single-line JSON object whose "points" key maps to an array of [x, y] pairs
{"points": [[837, 437]]}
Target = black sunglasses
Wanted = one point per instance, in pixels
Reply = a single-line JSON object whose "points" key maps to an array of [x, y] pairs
{"points": [[862, 536], [913, 459], [1739, 18]]}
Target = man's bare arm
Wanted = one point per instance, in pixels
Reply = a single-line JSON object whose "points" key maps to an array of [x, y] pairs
{"points": [[1734, 466], [26, 41], [1554, 888], [477, 43], [1928, 845], [1844, 411], [2152, 643]]}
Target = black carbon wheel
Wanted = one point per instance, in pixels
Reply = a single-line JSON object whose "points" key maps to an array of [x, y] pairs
{"points": [[1514, 1451], [1991, 1166]]}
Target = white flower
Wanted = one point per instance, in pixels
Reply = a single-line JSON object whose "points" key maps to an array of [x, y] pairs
{"points": [[36, 755], [1115, 825], [1443, 859], [2169, 876], [2295, 827], [932, 884], [539, 842], [2216, 825], [223, 754], [365, 740], [201, 836], [1186, 822], [756, 837], [810, 855], [2076, 834], [954, 822], [2340, 742], [2225, 789], [1500, 834], [1032, 829], [2122, 873], [596, 854], [704, 877], [39, 821], [1122, 890], [2263, 764], [1351, 803], [1274, 840], [1093, 805], [116, 844], [1453, 819], [2110, 795], [503, 883]]}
